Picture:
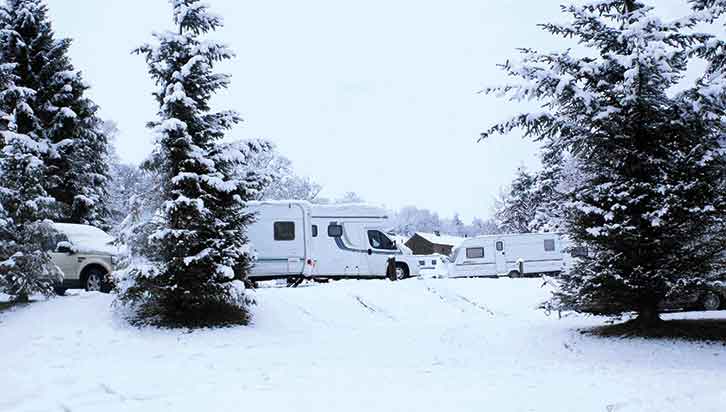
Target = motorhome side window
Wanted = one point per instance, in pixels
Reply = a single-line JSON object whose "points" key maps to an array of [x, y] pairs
{"points": [[315, 230], [284, 231], [500, 246], [549, 245], [335, 230], [475, 253], [380, 241]]}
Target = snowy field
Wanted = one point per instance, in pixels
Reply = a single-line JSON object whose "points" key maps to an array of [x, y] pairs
{"points": [[416, 345]]}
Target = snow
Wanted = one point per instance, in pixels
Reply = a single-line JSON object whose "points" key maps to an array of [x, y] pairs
{"points": [[68, 113], [416, 345], [347, 209], [87, 239]]}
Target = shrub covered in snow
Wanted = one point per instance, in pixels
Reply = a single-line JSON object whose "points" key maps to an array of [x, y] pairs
{"points": [[648, 205], [25, 267]]}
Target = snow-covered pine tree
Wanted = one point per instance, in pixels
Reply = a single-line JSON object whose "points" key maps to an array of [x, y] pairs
{"points": [[76, 171], [550, 191], [547, 200], [648, 207], [199, 233], [517, 208], [712, 86], [25, 267]]}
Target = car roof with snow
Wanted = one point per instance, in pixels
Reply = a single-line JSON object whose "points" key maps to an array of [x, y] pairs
{"points": [[87, 239]]}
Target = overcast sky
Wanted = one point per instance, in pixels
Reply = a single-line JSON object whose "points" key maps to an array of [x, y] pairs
{"points": [[378, 97]]}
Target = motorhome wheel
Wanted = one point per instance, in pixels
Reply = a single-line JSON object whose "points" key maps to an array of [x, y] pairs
{"points": [[401, 272]]}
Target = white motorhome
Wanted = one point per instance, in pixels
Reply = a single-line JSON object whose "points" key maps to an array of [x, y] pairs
{"points": [[514, 255], [295, 238]]}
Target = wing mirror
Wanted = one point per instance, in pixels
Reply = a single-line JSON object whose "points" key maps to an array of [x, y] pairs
{"points": [[64, 247]]}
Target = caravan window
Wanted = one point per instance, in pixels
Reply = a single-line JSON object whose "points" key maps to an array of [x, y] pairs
{"points": [[315, 230], [579, 252], [380, 241], [500, 246], [549, 245], [475, 253], [335, 230], [285, 231]]}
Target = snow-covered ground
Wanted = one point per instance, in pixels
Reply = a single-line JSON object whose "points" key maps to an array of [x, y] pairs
{"points": [[416, 345]]}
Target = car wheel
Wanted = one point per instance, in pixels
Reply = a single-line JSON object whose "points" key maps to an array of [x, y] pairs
{"points": [[95, 281], [710, 301], [401, 272]]}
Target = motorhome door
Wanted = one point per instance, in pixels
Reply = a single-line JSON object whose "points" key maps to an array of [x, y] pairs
{"points": [[380, 248]]}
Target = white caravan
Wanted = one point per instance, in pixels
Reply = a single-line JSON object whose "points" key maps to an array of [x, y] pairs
{"points": [[514, 255], [295, 238]]}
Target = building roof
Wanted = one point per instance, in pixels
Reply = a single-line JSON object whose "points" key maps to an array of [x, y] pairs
{"points": [[446, 240]]}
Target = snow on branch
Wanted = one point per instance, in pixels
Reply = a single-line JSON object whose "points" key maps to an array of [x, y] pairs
{"points": [[191, 15]]}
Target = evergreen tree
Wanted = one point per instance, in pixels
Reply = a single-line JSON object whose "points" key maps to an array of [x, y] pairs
{"points": [[196, 248], [550, 191], [25, 266], [517, 209], [648, 206], [76, 172], [712, 86], [547, 199]]}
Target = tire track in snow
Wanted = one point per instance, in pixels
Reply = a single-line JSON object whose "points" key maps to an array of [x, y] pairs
{"points": [[456, 297], [373, 309]]}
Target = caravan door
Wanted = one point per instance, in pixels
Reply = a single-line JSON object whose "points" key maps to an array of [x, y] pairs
{"points": [[500, 253], [278, 237]]}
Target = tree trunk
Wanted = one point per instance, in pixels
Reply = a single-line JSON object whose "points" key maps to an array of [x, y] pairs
{"points": [[629, 6], [22, 298], [648, 317]]}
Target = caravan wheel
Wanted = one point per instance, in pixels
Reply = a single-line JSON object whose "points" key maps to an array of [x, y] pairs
{"points": [[515, 274]]}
